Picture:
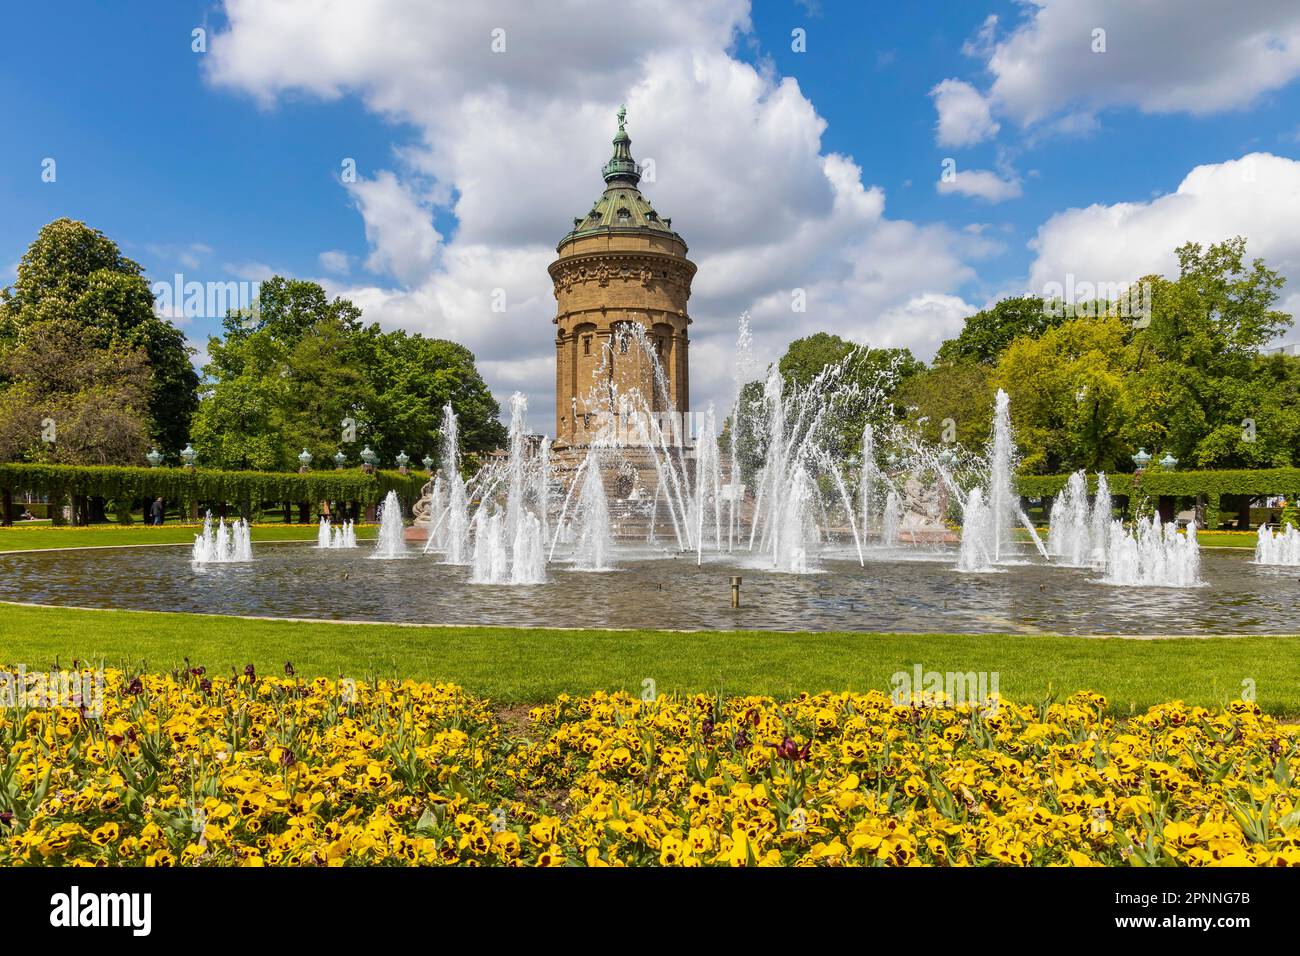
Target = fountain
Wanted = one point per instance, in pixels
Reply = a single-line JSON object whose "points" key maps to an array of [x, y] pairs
{"points": [[1153, 555], [336, 536], [508, 544], [594, 542], [1103, 513], [989, 534], [448, 509], [391, 542], [222, 545], [890, 519], [1280, 547], [977, 535], [1079, 532]]}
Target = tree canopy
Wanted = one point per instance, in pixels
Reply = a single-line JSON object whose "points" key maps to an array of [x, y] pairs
{"points": [[287, 374], [73, 273]]}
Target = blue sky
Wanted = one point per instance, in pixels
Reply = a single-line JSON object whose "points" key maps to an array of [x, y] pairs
{"points": [[226, 164]]}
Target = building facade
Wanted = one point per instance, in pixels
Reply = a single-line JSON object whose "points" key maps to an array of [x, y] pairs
{"points": [[620, 272]]}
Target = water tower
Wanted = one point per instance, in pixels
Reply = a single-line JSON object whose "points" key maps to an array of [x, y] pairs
{"points": [[621, 264]]}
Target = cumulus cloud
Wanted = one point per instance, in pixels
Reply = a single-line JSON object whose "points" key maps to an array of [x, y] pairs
{"points": [[1256, 196], [981, 184], [399, 227], [964, 116], [1068, 59], [923, 322], [509, 145], [335, 260]]}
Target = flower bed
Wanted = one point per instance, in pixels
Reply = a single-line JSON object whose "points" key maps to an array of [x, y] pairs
{"points": [[188, 769]]}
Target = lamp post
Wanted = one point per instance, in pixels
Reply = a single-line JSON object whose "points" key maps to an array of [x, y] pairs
{"points": [[339, 460], [304, 462], [403, 459], [153, 458], [188, 454], [368, 460], [1141, 459]]}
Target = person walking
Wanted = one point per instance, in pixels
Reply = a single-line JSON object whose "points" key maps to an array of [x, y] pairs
{"points": [[156, 511]]}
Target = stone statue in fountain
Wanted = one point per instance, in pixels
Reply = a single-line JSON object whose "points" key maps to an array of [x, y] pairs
{"points": [[924, 504]]}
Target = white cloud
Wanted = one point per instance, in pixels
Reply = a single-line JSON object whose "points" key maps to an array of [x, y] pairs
{"points": [[399, 227], [1161, 56], [923, 322], [336, 261], [1256, 196], [252, 271], [964, 117], [981, 184], [189, 255], [509, 145]]}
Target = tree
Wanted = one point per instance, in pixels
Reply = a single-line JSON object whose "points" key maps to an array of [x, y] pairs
{"points": [[1196, 366], [95, 393], [960, 393], [863, 392], [988, 332], [75, 273], [1069, 396], [412, 378], [286, 375]]}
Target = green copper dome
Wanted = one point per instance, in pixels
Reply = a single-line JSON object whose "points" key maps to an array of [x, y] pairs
{"points": [[621, 207]]}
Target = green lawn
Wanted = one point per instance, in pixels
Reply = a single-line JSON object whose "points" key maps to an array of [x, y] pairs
{"points": [[526, 665], [29, 537]]}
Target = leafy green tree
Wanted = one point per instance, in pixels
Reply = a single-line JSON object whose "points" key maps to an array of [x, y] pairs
{"points": [[862, 392], [285, 376], [1069, 398], [958, 392], [242, 419], [75, 273], [94, 392], [1196, 367], [988, 332], [413, 378]]}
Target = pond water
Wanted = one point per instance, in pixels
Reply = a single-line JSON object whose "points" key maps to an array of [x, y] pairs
{"points": [[912, 590]]}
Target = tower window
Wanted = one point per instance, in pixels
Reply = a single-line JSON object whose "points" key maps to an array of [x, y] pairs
{"points": [[624, 216], [586, 345]]}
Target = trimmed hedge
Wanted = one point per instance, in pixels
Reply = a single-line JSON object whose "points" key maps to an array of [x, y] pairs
{"points": [[233, 487], [1156, 483]]}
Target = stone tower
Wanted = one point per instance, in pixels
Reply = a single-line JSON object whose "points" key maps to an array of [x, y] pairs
{"points": [[620, 264]]}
